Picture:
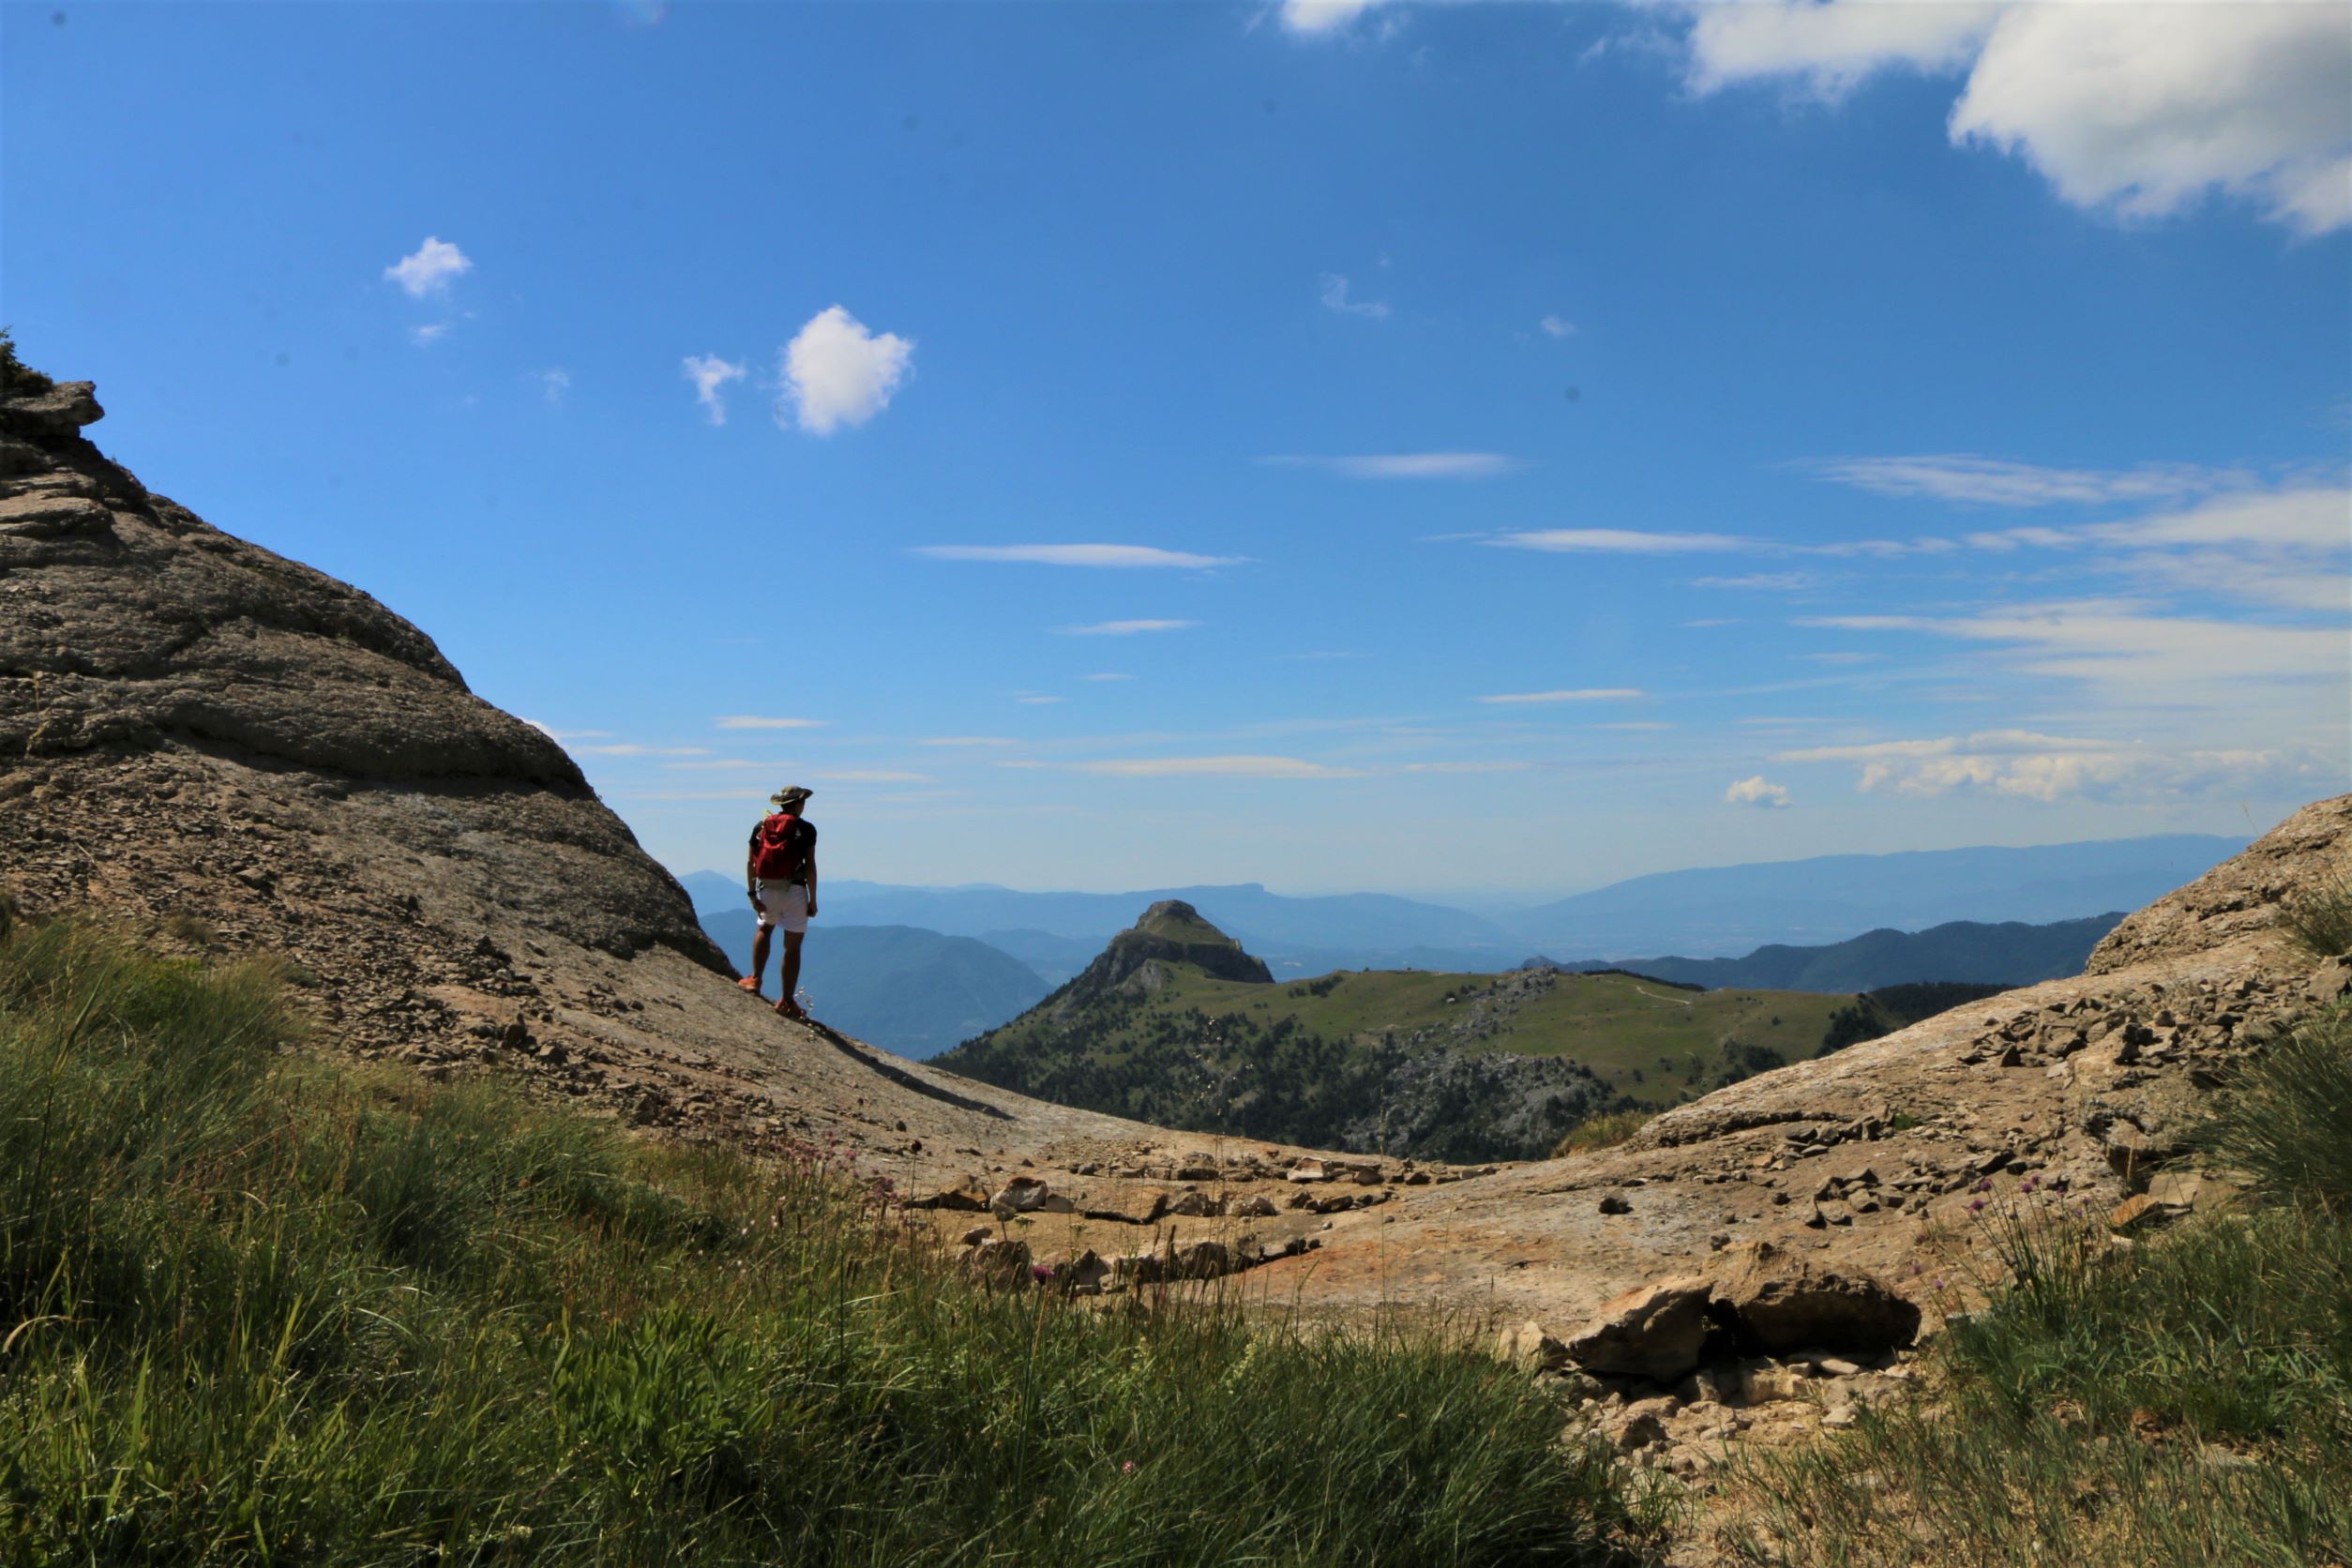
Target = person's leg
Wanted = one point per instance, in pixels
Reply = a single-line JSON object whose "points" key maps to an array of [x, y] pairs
{"points": [[758, 957], [788, 979]]}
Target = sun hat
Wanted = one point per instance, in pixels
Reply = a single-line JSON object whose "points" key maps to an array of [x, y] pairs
{"points": [[790, 794]]}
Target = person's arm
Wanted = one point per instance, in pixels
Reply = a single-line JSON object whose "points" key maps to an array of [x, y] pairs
{"points": [[812, 884], [751, 874]]}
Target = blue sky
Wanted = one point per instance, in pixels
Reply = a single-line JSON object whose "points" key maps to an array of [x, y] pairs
{"points": [[1435, 448]]}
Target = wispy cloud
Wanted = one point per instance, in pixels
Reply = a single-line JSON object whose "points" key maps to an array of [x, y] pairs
{"points": [[1555, 327], [1107, 676], [2027, 764], [1407, 466], [837, 372], [629, 749], [1756, 791], [554, 384], [1999, 482], [1114, 557], [1214, 767], [1619, 541], [970, 740], [873, 776], [554, 734], [1767, 582], [1465, 767], [1332, 292], [1037, 698], [429, 268], [710, 375], [428, 334], [2137, 655], [1126, 629], [756, 721], [1592, 694]]}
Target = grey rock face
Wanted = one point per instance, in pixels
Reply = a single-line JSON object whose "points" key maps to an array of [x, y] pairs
{"points": [[147, 658]]}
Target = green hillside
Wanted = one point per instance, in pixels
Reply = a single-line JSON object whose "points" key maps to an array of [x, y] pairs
{"points": [[1443, 1066]]}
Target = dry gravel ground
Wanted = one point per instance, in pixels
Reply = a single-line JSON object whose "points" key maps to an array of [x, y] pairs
{"points": [[231, 751]]}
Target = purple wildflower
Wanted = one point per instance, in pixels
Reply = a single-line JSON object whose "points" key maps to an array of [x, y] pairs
{"points": [[1986, 1185], [1975, 1205]]}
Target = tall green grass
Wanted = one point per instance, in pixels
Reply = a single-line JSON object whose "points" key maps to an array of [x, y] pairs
{"points": [[2187, 1403], [256, 1308], [2318, 915]]}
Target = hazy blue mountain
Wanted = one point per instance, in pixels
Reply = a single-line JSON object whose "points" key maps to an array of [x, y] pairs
{"points": [[1057, 959], [713, 890], [1267, 923], [1732, 909], [1711, 912], [2009, 953], [912, 991]]}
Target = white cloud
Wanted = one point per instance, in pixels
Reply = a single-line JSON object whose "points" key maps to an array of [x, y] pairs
{"points": [[1332, 292], [1126, 629], [1619, 541], [1555, 327], [629, 749], [553, 384], [2024, 764], [1997, 482], [970, 740], [1756, 791], [431, 333], [1217, 767], [1408, 465], [1107, 676], [875, 775], [2139, 108], [1078, 555], [1846, 656], [1323, 17], [429, 269], [1636, 724], [1038, 699], [710, 373], [837, 372], [2291, 548], [754, 721], [555, 734], [1591, 694]]}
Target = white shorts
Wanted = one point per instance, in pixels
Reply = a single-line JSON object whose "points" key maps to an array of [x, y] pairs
{"points": [[787, 905]]}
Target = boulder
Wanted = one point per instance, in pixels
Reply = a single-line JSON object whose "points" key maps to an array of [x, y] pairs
{"points": [[1255, 1206], [1654, 1331], [1530, 1349], [1022, 1194], [1774, 1303]]}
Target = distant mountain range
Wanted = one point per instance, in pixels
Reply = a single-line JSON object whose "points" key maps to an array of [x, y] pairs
{"points": [[1711, 912], [2009, 953]]}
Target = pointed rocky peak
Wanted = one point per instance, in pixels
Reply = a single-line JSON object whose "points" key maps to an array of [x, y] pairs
{"points": [[1171, 932]]}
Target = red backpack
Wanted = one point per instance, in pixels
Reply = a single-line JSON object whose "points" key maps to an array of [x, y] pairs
{"points": [[783, 855]]}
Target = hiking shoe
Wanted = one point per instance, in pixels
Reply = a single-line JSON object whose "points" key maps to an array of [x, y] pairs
{"points": [[749, 983]]}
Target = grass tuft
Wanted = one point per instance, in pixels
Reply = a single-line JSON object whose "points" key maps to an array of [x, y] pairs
{"points": [[258, 1306], [1605, 1131], [2319, 916]]}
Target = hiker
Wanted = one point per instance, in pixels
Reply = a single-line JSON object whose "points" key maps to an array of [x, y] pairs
{"points": [[780, 875]]}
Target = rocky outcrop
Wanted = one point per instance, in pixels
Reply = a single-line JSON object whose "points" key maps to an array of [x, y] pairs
{"points": [[1171, 932]]}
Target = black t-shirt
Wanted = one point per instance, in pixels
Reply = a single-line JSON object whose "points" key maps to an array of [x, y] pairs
{"points": [[804, 842]]}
